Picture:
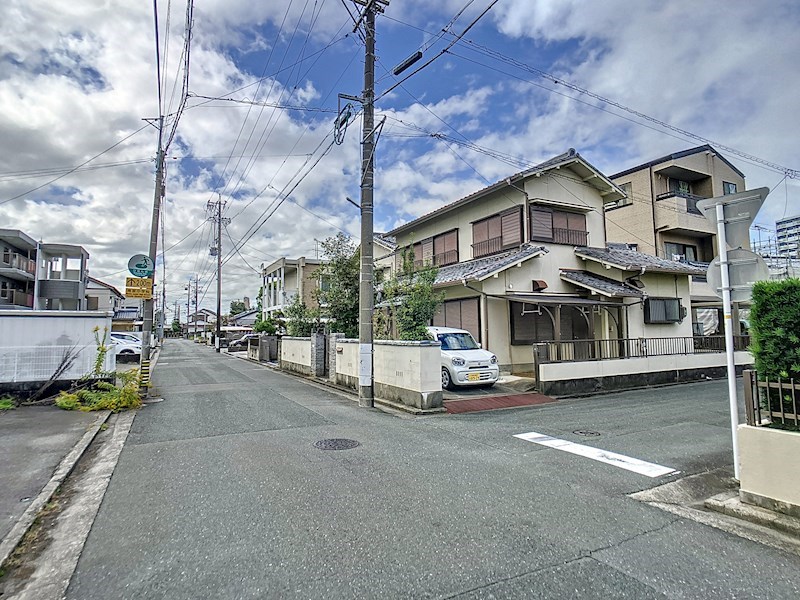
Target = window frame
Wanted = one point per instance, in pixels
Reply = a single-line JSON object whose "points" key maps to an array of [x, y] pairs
{"points": [[553, 213], [667, 320], [726, 189], [502, 247]]}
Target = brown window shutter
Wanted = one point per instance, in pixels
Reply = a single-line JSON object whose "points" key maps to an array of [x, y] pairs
{"points": [[541, 224], [560, 220], [577, 222], [495, 227], [438, 318], [469, 317], [451, 241], [480, 232], [427, 251], [452, 314], [512, 229]]}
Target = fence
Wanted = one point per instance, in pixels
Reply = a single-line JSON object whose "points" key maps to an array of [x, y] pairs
{"points": [[768, 401], [39, 363], [614, 349]]}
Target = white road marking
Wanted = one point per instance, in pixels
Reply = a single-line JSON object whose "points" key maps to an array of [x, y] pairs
{"points": [[612, 458]]}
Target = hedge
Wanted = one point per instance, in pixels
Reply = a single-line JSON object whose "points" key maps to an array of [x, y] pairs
{"points": [[775, 328]]}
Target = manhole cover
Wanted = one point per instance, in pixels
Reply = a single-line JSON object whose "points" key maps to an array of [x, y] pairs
{"points": [[586, 433], [336, 444]]}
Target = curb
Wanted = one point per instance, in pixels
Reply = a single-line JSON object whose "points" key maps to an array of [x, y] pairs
{"points": [[64, 468], [730, 504]]}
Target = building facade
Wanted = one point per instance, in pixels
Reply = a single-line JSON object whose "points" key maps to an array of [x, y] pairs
{"points": [[788, 236], [659, 214]]}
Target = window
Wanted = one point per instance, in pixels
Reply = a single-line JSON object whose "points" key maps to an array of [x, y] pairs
{"points": [[438, 250], [680, 187], [728, 188], [663, 310], [675, 251], [559, 227], [628, 189], [529, 324], [460, 314], [4, 289], [497, 233]]}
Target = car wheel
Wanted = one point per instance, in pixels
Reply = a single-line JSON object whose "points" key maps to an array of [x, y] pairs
{"points": [[447, 382]]}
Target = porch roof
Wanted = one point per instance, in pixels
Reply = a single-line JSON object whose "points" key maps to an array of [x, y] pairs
{"points": [[534, 298], [630, 260], [600, 285], [479, 269]]}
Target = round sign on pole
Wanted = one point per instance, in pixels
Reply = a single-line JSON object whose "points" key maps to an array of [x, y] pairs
{"points": [[745, 268], [141, 265]]}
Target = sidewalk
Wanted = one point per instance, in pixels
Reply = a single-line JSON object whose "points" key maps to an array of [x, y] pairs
{"points": [[34, 441]]}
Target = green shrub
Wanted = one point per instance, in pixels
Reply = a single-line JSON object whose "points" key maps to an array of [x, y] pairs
{"points": [[774, 328], [105, 395]]}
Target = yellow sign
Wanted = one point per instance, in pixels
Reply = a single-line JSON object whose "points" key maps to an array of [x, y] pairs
{"points": [[139, 282], [133, 292]]}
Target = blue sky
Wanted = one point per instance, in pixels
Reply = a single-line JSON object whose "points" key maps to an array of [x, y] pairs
{"points": [[76, 78]]}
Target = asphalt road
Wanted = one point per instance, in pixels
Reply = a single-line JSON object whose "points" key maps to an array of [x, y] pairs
{"points": [[221, 493]]}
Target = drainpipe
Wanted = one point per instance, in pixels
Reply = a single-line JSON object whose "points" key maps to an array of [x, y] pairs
{"points": [[653, 209], [526, 209]]}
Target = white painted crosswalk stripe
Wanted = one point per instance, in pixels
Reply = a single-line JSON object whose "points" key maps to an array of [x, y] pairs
{"points": [[612, 458]]}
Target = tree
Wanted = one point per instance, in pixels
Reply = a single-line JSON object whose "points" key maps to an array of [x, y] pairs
{"points": [[410, 301], [176, 326], [237, 306], [339, 279], [301, 320]]}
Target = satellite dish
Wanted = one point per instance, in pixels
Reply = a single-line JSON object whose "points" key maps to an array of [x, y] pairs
{"points": [[744, 269]]}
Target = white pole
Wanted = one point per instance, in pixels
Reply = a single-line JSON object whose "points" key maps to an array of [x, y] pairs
{"points": [[728, 319]]}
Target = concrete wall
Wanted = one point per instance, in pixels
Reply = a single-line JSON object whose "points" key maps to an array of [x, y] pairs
{"points": [[602, 375], [296, 354], [768, 468], [405, 372], [32, 343]]}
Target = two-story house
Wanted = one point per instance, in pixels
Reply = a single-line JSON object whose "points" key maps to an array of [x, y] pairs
{"points": [[103, 296], [17, 269], [525, 260], [286, 279], [659, 214]]}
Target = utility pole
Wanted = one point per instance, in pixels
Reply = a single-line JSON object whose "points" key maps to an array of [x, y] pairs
{"points": [[147, 329], [366, 286], [217, 216]]}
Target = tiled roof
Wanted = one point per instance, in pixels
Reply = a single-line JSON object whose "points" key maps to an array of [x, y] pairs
{"points": [[604, 285], [386, 240], [126, 314], [481, 268], [630, 260]]}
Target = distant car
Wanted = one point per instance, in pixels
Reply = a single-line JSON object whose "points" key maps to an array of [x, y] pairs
{"points": [[125, 337], [241, 343], [464, 362]]}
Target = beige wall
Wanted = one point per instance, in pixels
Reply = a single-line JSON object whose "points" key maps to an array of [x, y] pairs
{"points": [[768, 464], [655, 364], [296, 350], [633, 223]]}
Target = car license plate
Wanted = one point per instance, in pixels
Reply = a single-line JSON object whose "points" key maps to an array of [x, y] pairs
{"points": [[473, 376]]}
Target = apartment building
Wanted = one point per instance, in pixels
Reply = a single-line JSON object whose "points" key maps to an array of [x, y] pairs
{"points": [[286, 279], [659, 214], [788, 236], [17, 269]]}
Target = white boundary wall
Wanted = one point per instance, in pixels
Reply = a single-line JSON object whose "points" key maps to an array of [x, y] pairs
{"points": [[296, 354], [32, 343]]}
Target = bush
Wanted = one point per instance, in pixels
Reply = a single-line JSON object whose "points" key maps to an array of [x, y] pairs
{"points": [[774, 328], [105, 395]]}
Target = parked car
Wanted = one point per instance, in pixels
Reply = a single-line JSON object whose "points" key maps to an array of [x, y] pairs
{"points": [[464, 362], [126, 348], [241, 343], [125, 337]]}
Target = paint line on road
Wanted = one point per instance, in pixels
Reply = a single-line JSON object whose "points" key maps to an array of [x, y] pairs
{"points": [[598, 454]]}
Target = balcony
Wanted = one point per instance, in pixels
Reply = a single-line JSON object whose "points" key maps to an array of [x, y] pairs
{"points": [[571, 237], [16, 266], [17, 298], [487, 247], [677, 211]]}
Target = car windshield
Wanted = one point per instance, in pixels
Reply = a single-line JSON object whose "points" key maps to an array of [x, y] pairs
{"points": [[457, 341]]}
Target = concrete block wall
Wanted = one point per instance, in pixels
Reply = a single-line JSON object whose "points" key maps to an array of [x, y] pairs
{"points": [[296, 354]]}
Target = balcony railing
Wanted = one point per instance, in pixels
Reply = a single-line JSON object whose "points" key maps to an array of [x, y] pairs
{"points": [[573, 237], [439, 260], [17, 261], [614, 349], [487, 247], [17, 298], [691, 200]]}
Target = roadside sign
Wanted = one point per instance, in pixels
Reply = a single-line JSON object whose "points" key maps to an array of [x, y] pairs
{"points": [[739, 211], [745, 268], [141, 265], [139, 282], [142, 293]]}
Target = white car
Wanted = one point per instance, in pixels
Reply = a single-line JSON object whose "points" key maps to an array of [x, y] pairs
{"points": [[125, 337], [123, 347], [464, 362]]}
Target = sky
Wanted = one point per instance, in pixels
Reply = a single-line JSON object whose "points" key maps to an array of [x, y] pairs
{"points": [[80, 85]]}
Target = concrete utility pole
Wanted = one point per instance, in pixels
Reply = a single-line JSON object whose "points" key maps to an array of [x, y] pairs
{"points": [[147, 329], [217, 216], [366, 288]]}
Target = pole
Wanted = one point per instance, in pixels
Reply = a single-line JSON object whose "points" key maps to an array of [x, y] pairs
{"points": [[195, 305], [147, 329], [365, 295], [217, 344], [728, 319], [188, 306]]}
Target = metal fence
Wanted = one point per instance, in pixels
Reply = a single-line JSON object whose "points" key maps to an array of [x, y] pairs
{"points": [[767, 402], [39, 363], [614, 349]]}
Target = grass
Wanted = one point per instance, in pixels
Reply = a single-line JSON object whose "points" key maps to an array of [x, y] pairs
{"points": [[7, 403]]}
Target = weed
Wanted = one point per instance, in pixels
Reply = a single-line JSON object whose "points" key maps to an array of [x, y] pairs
{"points": [[7, 403], [105, 396]]}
